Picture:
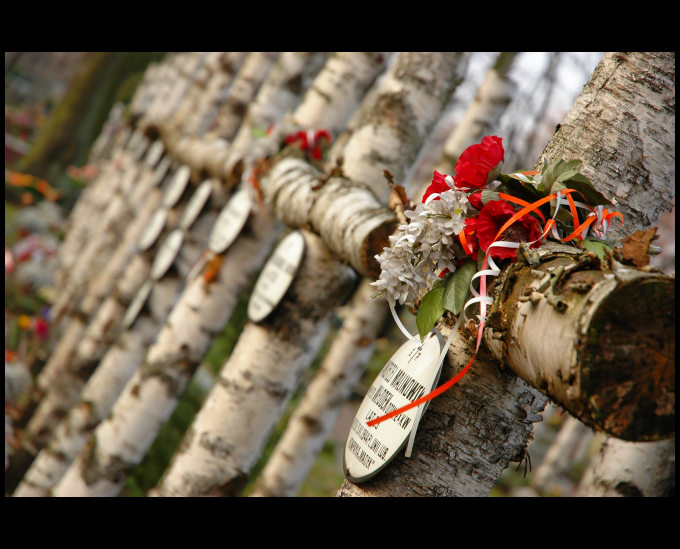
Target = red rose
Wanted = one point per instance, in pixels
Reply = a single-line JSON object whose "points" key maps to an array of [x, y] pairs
{"points": [[488, 222], [438, 185], [477, 162]]}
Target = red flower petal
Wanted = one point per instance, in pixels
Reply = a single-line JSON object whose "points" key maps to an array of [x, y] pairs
{"points": [[438, 185], [477, 161], [489, 221]]}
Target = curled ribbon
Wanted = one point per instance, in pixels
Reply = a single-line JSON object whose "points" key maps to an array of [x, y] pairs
{"points": [[598, 218]]}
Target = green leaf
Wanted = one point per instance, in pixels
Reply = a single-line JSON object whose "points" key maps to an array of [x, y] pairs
{"points": [[457, 286], [596, 246], [430, 309], [259, 132]]}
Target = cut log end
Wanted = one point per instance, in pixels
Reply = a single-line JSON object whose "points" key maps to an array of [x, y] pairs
{"points": [[628, 362], [373, 245]]}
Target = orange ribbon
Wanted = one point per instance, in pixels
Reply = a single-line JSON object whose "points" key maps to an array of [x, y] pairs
{"points": [[528, 207]]}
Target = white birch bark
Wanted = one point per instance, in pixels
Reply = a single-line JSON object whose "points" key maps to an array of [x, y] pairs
{"points": [[98, 396], [437, 468], [629, 103], [121, 441], [230, 431], [93, 258], [318, 410], [631, 469], [84, 358], [243, 90], [402, 96]]}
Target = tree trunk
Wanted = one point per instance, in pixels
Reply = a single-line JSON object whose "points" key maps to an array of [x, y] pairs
{"points": [[353, 345], [432, 469], [121, 441], [229, 433], [318, 410], [631, 469], [402, 131]]}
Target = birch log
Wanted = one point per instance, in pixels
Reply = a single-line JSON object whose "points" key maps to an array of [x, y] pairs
{"points": [[352, 347], [229, 433], [314, 417], [276, 88], [597, 339], [586, 136], [97, 397], [631, 469], [121, 441], [401, 94]]}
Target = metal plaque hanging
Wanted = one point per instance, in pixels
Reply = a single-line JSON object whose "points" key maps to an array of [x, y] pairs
{"points": [[230, 221], [195, 204], [276, 276], [161, 170], [411, 372], [137, 303], [154, 154], [166, 254], [153, 229], [176, 186]]}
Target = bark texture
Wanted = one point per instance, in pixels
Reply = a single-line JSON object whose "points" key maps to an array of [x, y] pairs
{"points": [[599, 341], [229, 433], [121, 441], [631, 469], [318, 410], [583, 126], [629, 103]]}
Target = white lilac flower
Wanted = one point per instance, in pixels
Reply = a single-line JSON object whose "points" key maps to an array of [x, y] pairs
{"points": [[423, 248]]}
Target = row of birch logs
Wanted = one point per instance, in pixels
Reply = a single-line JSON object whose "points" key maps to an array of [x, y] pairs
{"points": [[137, 328]]}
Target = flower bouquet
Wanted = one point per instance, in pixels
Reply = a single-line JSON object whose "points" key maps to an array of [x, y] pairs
{"points": [[468, 222]]}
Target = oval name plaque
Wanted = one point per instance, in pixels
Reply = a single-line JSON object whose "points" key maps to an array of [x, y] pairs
{"points": [[160, 171], [136, 305], [166, 254], [176, 186], [154, 154], [411, 372], [276, 276], [195, 204], [153, 229], [230, 221]]}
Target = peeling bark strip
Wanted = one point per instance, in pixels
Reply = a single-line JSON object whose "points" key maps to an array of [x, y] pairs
{"points": [[121, 441], [599, 342], [229, 433]]}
